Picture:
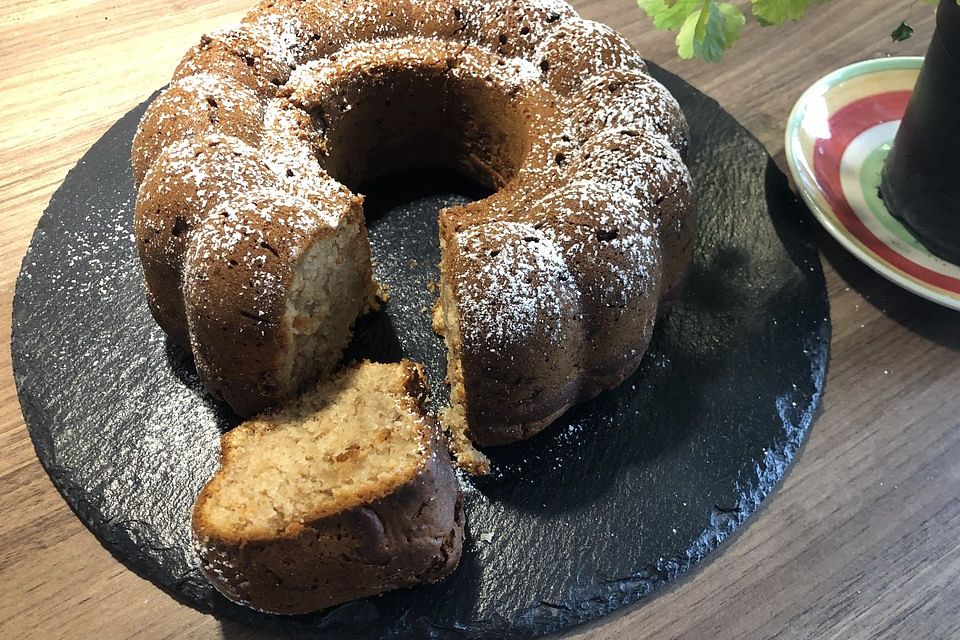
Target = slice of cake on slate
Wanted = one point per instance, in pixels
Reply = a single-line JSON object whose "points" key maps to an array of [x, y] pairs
{"points": [[345, 492]]}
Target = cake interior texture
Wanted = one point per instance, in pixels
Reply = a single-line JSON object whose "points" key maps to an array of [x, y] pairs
{"points": [[347, 443], [446, 322], [329, 290]]}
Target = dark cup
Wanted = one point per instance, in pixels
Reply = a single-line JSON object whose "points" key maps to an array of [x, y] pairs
{"points": [[920, 183]]}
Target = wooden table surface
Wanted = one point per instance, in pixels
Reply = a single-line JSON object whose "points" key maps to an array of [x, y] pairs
{"points": [[861, 541]]}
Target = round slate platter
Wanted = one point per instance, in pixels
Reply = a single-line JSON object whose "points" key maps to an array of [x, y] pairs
{"points": [[620, 495]]}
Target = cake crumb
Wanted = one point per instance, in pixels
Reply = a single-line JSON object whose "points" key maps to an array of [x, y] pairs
{"points": [[382, 293]]}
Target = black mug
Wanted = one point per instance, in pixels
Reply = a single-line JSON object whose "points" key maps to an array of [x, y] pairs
{"points": [[920, 181]]}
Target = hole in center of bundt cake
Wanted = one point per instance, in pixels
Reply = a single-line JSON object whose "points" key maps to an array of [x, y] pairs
{"points": [[402, 210], [390, 117]]}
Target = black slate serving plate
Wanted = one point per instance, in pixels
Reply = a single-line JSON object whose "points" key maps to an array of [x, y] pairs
{"points": [[622, 494]]}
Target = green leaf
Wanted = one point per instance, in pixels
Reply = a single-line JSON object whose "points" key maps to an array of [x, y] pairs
{"points": [[700, 28], [685, 37], [779, 11], [710, 30], [669, 14], [901, 33]]}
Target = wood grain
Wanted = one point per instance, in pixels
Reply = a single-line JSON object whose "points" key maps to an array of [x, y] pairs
{"points": [[861, 540]]}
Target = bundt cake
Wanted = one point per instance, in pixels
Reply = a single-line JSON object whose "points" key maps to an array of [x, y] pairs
{"points": [[345, 492], [252, 237]]}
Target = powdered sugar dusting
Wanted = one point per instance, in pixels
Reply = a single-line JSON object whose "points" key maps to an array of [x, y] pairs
{"points": [[204, 85], [508, 71], [279, 39], [205, 98], [628, 98], [519, 285], [283, 37], [648, 168], [606, 229], [242, 218], [189, 165], [318, 78], [290, 147]]}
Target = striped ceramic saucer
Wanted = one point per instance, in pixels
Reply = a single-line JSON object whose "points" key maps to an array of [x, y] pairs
{"points": [[838, 136]]}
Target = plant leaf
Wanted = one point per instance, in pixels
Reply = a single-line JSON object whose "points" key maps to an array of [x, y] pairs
{"points": [[685, 37], [703, 20], [668, 14], [710, 30], [779, 11], [901, 33]]}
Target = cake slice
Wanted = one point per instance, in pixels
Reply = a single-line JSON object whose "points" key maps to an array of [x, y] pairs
{"points": [[345, 492]]}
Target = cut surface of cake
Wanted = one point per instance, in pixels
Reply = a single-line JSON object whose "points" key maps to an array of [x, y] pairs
{"points": [[347, 491]]}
